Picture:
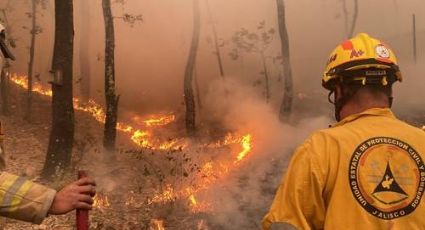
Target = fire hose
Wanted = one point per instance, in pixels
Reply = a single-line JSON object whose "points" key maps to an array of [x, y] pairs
{"points": [[82, 214]]}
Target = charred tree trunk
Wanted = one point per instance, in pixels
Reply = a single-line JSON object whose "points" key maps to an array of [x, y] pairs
{"points": [[353, 23], [266, 78], [31, 60], [112, 99], [85, 51], [61, 139], [4, 87], [216, 45], [288, 93], [188, 76]]}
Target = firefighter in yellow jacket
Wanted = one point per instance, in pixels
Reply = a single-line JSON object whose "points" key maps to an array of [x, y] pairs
{"points": [[24, 200], [365, 172]]}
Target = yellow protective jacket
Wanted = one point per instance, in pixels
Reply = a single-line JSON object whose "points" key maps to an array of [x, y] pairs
{"points": [[22, 199], [365, 172]]}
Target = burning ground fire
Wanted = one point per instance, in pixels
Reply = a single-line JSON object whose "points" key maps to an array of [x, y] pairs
{"points": [[210, 171], [142, 138]]}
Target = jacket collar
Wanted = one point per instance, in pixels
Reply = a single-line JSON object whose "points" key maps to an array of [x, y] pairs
{"points": [[385, 112]]}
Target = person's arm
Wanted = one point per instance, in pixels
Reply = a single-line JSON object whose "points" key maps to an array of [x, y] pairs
{"points": [[298, 202], [24, 200]]}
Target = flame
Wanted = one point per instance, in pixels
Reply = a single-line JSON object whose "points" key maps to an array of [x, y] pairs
{"points": [[157, 224], [140, 137], [156, 120], [209, 173], [167, 195], [193, 200], [101, 201], [196, 206], [246, 145]]}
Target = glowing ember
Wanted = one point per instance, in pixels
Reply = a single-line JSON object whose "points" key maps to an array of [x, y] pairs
{"points": [[157, 224], [100, 201]]}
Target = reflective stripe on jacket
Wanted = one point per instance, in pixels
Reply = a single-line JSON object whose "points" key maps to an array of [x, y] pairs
{"points": [[366, 172], [24, 200]]}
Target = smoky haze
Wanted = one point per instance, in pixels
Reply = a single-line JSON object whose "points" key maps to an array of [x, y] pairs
{"points": [[151, 55], [151, 58]]}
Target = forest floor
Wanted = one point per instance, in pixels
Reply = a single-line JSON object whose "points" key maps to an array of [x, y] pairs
{"points": [[132, 182], [120, 176], [128, 180]]}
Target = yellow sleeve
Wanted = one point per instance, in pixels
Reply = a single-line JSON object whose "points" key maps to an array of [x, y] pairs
{"points": [[298, 201], [24, 200]]}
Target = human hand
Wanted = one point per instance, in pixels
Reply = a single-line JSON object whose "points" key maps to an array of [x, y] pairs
{"points": [[77, 195]]}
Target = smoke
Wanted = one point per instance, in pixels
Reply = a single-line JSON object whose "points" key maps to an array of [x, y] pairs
{"points": [[246, 194], [409, 94]]}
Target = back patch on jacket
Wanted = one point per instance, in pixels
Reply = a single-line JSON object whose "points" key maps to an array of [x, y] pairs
{"points": [[387, 177]]}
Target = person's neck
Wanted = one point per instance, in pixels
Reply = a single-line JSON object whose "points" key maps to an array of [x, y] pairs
{"points": [[355, 108]]}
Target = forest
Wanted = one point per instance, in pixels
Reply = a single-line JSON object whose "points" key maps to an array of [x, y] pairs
{"points": [[186, 112]]}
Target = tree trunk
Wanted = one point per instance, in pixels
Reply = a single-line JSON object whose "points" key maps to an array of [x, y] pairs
{"points": [[345, 15], [286, 106], [188, 76], [31, 60], [198, 90], [4, 87], [414, 38], [85, 50], [217, 46], [266, 78], [395, 6], [112, 99], [61, 139], [353, 23]]}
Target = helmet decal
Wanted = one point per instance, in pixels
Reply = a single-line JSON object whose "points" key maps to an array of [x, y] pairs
{"points": [[356, 54], [382, 51], [347, 45], [332, 58]]}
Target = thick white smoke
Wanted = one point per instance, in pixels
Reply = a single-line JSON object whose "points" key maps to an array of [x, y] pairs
{"points": [[241, 200]]}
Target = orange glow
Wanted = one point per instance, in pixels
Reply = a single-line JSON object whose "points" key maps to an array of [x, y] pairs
{"points": [[210, 171], [141, 138], [159, 120], [166, 196], [246, 145], [193, 200]]}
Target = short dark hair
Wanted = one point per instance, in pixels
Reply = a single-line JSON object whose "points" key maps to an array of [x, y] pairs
{"points": [[378, 91]]}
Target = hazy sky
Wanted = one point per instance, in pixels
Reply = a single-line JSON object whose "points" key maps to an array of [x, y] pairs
{"points": [[151, 56]]}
